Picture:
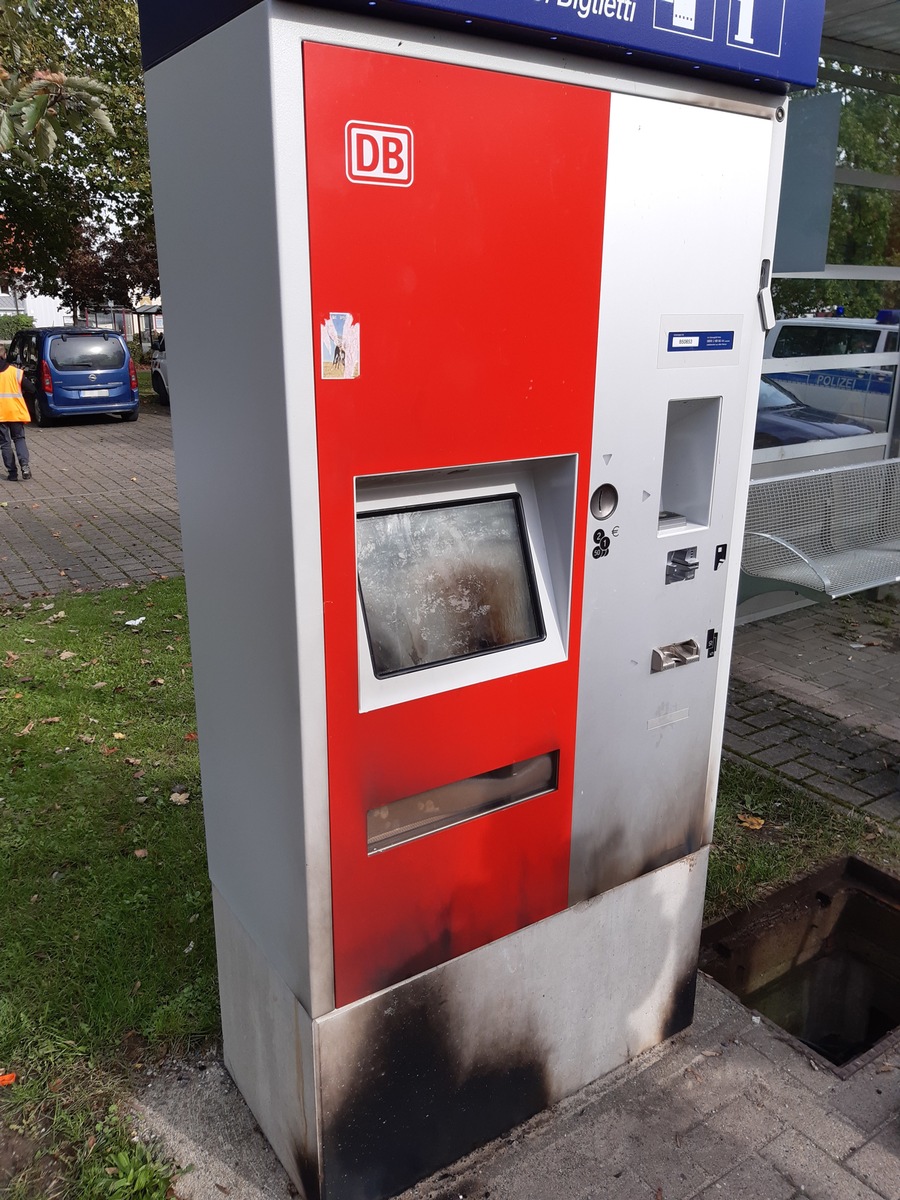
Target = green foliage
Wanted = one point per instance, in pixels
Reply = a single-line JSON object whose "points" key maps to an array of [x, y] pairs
{"points": [[10, 323], [138, 1176], [58, 212], [38, 106]]}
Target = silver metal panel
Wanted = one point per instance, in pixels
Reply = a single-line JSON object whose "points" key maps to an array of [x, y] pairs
{"points": [[417, 1075], [230, 205], [268, 1045], [648, 745]]}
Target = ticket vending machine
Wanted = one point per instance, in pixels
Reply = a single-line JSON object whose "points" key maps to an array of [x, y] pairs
{"points": [[465, 313]]}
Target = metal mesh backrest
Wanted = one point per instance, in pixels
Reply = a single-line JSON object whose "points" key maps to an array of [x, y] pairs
{"points": [[825, 511]]}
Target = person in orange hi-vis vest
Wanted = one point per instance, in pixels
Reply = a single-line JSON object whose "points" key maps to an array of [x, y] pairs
{"points": [[14, 416]]}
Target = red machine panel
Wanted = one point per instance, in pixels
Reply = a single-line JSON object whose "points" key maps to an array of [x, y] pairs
{"points": [[455, 228]]}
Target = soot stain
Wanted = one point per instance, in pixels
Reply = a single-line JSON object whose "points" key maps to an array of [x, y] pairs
{"points": [[612, 862], [437, 951], [412, 1107], [307, 1173], [680, 1011]]}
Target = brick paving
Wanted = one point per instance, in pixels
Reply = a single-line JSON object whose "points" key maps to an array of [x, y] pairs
{"points": [[814, 698], [101, 510]]}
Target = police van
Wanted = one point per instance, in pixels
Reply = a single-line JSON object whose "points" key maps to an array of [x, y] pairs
{"points": [[839, 364]]}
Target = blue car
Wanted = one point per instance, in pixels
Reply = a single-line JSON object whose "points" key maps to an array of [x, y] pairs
{"points": [[77, 371], [781, 419]]}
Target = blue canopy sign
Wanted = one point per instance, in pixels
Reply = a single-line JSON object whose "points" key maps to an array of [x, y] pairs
{"points": [[765, 40]]}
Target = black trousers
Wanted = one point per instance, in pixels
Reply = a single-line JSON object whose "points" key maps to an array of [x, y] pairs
{"points": [[12, 433]]}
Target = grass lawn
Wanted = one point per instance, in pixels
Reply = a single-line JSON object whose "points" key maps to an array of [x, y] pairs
{"points": [[107, 956], [104, 902]]}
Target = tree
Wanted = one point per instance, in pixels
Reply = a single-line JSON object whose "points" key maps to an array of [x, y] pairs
{"points": [[37, 105], [90, 195]]}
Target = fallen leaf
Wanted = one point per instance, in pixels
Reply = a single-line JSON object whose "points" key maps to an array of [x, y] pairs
{"points": [[749, 822], [180, 798], [156, 683], [65, 655], [55, 1086], [118, 612], [109, 750], [49, 720], [99, 685], [190, 737], [140, 854], [28, 728], [138, 774], [87, 737], [118, 736], [133, 762], [141, 799], [6, 1080]]}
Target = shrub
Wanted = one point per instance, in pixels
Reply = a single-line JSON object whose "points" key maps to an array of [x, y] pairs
{"points": [[10, 323]]}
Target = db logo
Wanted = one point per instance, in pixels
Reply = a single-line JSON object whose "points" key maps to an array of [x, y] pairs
{"points": [[379, 154]]}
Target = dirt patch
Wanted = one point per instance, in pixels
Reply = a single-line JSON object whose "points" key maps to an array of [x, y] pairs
{"points": [[26, 1161]]}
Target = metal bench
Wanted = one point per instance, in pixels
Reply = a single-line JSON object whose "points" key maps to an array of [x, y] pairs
{"points": [[825, 533]]}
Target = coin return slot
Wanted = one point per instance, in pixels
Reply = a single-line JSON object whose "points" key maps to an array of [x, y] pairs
{"points": [[678, 654], [438, 808]]}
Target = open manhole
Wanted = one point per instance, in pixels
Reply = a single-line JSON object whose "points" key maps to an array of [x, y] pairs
{"points": [[820, 959]]}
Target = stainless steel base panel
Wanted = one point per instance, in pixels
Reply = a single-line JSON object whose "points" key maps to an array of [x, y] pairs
{"points": [[365, 1100]]}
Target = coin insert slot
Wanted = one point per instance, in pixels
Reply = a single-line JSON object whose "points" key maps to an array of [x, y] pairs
{"points": [[426, 812]]}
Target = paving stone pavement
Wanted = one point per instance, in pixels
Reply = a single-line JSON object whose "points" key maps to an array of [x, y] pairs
{"points": [[731, 1108], [815, 697], [101, 509]]}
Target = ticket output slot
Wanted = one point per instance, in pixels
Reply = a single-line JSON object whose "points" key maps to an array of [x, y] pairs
{"points": [[689, 463], [438, 808]]}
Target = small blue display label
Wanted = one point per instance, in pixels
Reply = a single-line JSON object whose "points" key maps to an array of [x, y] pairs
{"points": [[719, 339]]}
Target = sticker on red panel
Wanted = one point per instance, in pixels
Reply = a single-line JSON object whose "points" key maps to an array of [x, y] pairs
{"points": [[340, 346], [381, 154]]}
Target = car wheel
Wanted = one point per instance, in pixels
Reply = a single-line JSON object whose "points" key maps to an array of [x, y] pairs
{"points": [[41, 412], [131, 416], [160, 388]]}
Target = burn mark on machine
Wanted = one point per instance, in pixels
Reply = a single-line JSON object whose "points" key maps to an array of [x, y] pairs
{"points": [[615, 861], [680, 1009], [307, 1173], [413, 1102]]}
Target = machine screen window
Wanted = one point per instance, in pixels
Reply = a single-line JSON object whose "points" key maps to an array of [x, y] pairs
{"points": [[426, 812], [445, 582]]}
